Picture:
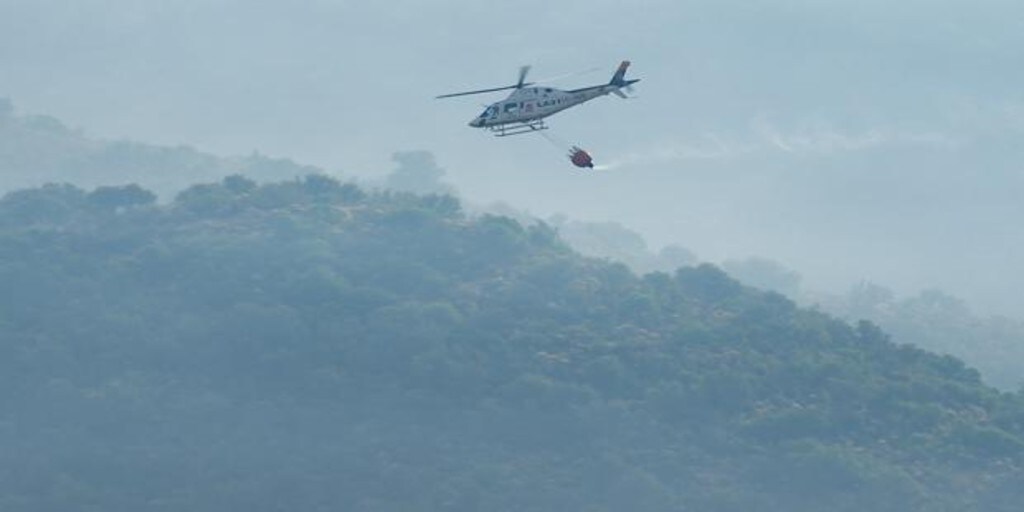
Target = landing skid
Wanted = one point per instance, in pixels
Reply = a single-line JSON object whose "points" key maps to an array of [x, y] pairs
{"points": [[504, 130]]}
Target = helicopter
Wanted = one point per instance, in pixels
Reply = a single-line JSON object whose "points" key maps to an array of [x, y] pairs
{"points": [[525, 109]]}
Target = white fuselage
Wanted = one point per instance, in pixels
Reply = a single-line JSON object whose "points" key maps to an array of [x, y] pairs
{"points": [[533, 103]]}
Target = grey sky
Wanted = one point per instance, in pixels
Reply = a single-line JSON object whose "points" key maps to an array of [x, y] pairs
{"points": [[848, 139]]}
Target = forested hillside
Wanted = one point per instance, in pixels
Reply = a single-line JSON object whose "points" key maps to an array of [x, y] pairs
{"points": [[940, 322], [308, 345], [930, 319], [37, 149]]}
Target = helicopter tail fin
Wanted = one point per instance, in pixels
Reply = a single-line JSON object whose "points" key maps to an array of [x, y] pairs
{"points": [[619, 78], [620, 82]]}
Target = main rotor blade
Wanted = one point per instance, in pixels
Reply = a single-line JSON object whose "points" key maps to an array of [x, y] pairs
{"points": [[481, 91], [522, 76], [519, 85]]}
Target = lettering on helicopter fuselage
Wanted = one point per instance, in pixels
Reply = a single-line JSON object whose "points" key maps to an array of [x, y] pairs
{"points": [[549, 103]]}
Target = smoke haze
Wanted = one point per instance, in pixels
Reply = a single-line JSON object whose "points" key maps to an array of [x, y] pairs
{"points": [[849, 140]]}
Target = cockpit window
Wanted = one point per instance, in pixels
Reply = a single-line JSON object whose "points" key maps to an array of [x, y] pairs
{"points": [[490, 111], [511, 107]]}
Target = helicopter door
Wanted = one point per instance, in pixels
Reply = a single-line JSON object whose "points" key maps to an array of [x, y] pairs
{"points": [[511, 109]]}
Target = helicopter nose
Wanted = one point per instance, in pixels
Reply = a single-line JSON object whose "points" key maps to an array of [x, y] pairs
{"points": [[476, 122]]}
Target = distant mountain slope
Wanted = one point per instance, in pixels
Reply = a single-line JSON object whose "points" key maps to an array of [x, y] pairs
{"points": [[305, 345], [35, 150], [939, 322]]}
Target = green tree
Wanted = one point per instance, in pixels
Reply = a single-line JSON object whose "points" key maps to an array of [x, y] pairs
{"points": [[417, 172], [112, 199]]}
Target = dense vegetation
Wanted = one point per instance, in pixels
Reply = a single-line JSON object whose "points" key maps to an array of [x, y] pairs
{"points": [[37, 149], [307, 345], [940, 322], [930, 319]]}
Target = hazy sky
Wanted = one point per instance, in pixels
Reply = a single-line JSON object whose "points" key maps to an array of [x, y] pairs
{"points": [[847, 139]]}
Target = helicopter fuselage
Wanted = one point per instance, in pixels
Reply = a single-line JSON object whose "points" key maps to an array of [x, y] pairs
{"points": [[533, 103]]}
